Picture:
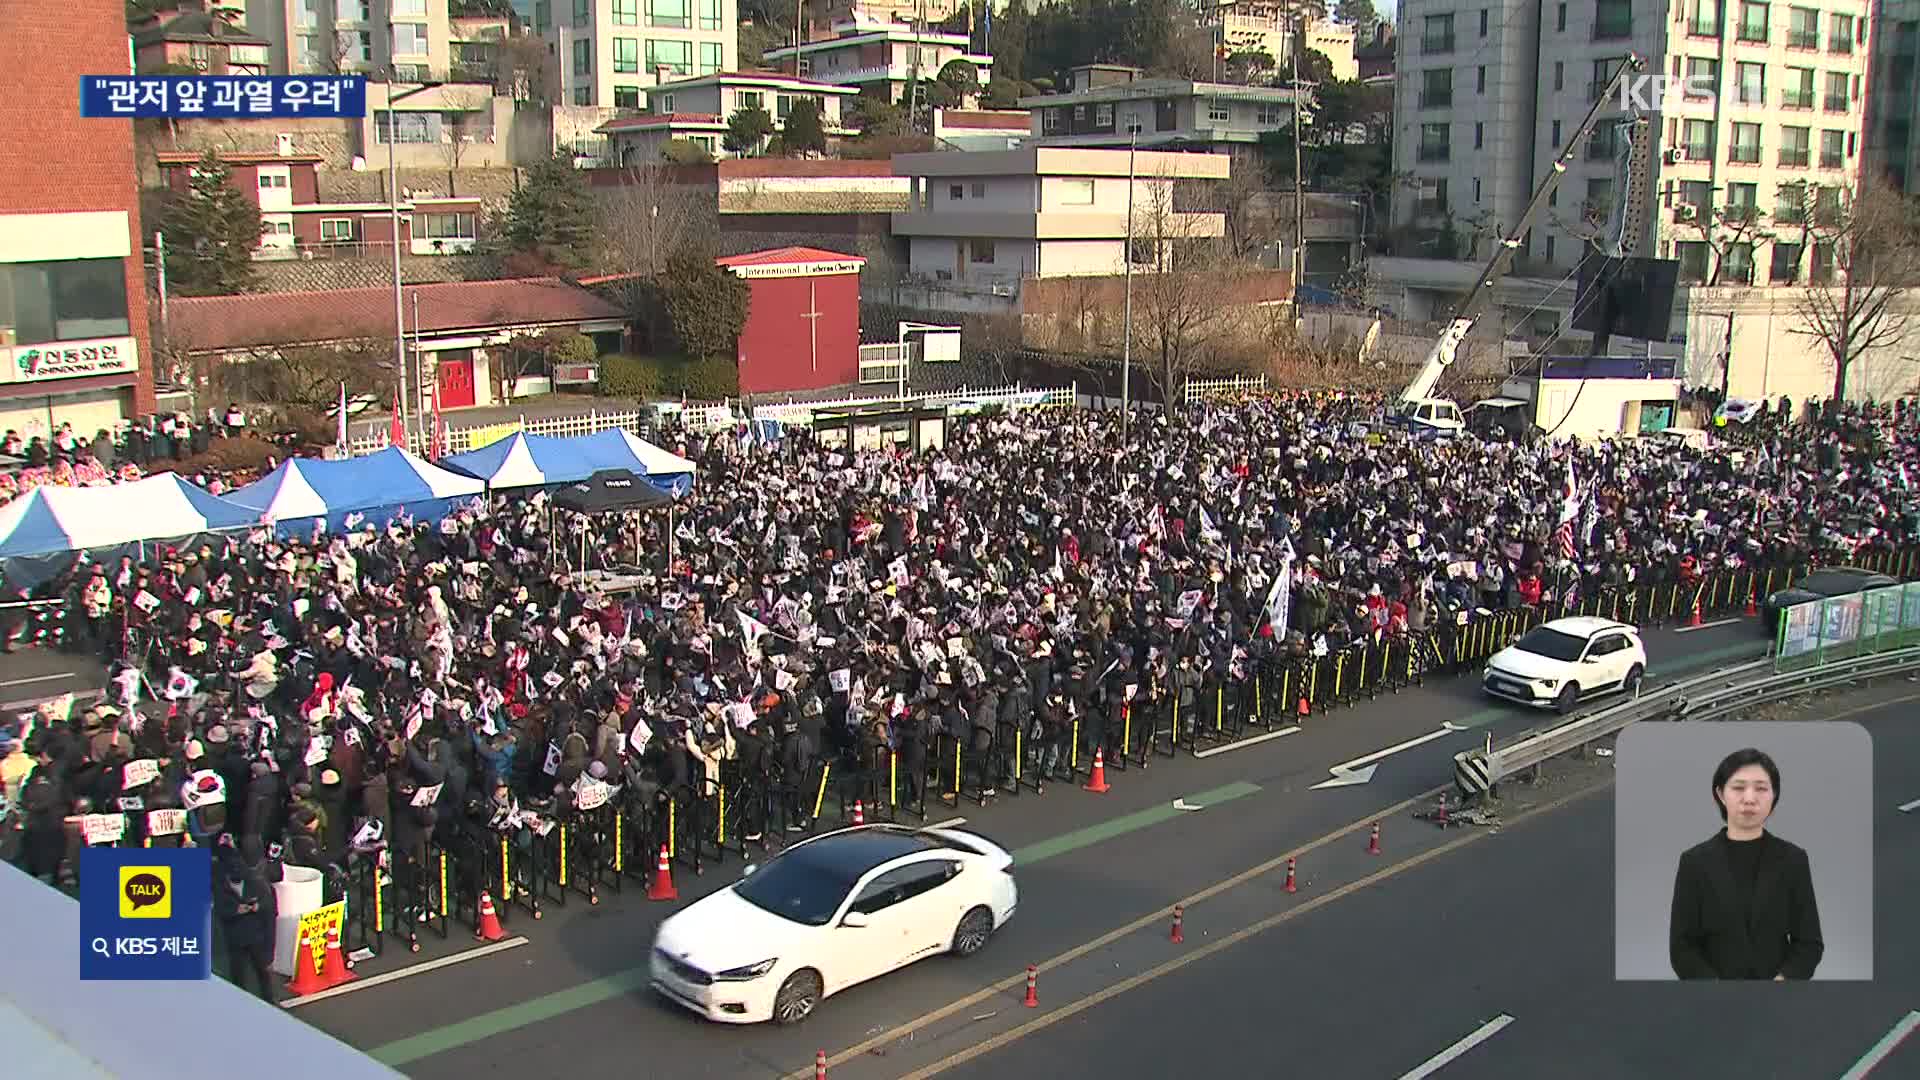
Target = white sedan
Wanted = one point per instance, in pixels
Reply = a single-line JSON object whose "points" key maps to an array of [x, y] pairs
{"points": [[1559, 663], [830, 912]]}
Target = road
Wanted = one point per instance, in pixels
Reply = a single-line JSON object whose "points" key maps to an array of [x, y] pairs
{"points": [[1098, 874], [1378, 984]]}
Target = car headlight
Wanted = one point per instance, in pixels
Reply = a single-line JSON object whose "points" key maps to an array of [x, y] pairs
{"points": [[1547, 684], [750, 971]]}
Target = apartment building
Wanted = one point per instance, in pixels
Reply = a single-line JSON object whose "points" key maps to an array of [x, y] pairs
{"points": [[190, 38], [405, 40], [1109, 105], [609, 53], [696, 111], [1267, 26], [1894, 97], [824, 19], [980, 222], [1768, 126], [880, 58]]}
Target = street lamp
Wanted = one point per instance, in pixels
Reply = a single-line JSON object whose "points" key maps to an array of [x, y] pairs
{"points": [[900, 343], [1126, 263], [393, 226]]}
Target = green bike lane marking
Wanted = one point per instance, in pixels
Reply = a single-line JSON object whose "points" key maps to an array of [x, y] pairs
{"points": [[534, 1010]]}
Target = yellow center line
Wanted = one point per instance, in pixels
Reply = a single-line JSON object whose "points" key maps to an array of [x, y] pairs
{"points": [[1268, 923]]}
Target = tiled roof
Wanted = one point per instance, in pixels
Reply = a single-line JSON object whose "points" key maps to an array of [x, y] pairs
{"points": [[236, 157], [994, 119], [654, 120], [211, 323], [786, 256], [196, 26]]}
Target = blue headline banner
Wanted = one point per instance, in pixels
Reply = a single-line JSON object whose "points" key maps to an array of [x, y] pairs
{"points": [[146, 913], [222, 95]]}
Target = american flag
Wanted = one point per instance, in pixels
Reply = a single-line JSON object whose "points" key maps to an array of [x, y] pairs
{"points": [[1569, 509]]}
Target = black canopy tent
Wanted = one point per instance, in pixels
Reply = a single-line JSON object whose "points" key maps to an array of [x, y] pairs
{"points": [[614, 491]]}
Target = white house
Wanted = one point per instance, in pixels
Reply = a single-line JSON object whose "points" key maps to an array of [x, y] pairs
{"points": [[879, 58], [697, 110]]}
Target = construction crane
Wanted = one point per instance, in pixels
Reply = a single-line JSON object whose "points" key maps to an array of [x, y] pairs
{"points": [[1416, 408]]}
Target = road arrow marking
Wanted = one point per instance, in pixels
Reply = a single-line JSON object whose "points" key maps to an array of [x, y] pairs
{"points": [[1451, 726], [1907, 807], [1344, 777], [1182, 804]]}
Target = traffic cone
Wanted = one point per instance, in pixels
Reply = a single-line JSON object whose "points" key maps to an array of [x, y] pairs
{"points": [[1753, 602], [1033, 983], [305, 979], [335, 970], [1177, 936], [662, 885], [1693, 617], [1304, 707], [489, 928], [819, 1065], [1373, 842], [859, 812], [1291, 887], [1098, 781], [1441, 818]]}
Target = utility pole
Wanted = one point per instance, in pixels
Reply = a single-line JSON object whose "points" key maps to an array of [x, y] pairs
{"points": [[799, 34], [913, 95], [1126, 261], [1299, 187], [393, 227]]}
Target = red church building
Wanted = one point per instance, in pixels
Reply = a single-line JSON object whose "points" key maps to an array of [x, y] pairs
{"points": [[803, 323]]}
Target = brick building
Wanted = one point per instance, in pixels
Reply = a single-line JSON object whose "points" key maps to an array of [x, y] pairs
{"points": [[74, 343]]}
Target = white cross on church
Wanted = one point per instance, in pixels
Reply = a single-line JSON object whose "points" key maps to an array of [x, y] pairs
{"points": [[812, 315]]}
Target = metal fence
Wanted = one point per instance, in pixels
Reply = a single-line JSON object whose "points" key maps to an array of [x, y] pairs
{"points": [[1840, 628], [1204, 389], [1011, 396]]}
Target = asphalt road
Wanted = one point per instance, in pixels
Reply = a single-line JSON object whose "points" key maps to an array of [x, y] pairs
{"points": [[1097, 874], [1380, 983]]}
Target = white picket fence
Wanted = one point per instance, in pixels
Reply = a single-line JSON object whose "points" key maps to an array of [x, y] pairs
{"points": [[1012, 396], [1203, 389], [461, 439]]}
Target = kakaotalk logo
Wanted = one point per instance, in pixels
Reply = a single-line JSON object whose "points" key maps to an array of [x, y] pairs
{"points": [[1656, 93]]}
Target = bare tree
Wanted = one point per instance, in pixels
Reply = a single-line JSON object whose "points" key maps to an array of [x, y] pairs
{"points": [[1250, 205], [1866, 250], [643, 222], [1184, 288], [523, 68], [467, 118], [1726, 229]]}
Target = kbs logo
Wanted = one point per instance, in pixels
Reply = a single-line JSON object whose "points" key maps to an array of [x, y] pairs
{"points": [[1659, 93], [146, 892]]}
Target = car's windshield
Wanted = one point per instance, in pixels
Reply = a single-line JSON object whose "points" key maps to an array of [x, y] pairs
{"points": [[1546, 641], [794, 887]]}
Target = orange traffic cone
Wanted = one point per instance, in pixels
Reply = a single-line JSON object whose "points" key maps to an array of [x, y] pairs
{"points": [[1441, 818], [1304, 709], [1693, 617], [335, 972], [819, 1065], [306, 979], [859, 812], [662, 886], [1033, 985], [489, 928], [1290, 886], [1178, 935], [1373, 842], [1098, 781], [1753, 602]]}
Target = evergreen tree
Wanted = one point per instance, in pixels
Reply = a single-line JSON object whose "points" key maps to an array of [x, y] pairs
{"points": [[211, 233], [1360, 13], [804, 132], [707, 305], [550, 216], [747, 128]]}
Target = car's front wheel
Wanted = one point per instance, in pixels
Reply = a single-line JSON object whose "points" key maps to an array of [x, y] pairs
{"points": [[971, 935], [1568, 700], [1631, 684], [797, 997]]}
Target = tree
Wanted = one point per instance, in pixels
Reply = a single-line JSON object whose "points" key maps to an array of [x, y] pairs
{"points": [[211, 232], [522, 67], [1726, 229], [961, 79], [747, 128], [643, 222], [875, 117], [1008, 42], [1315, 67], [1360, 13], [706, 303], [804, 132], [310, 376], [684, 152], [469, 119], [550, 215], [1181, 279], [1004, 93], [1856, 305]]}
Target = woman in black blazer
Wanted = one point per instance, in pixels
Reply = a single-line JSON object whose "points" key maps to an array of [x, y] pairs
{"points": [[1743, 902]]}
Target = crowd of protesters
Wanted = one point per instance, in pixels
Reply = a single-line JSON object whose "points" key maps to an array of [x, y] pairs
{"points": [[808, 603]]}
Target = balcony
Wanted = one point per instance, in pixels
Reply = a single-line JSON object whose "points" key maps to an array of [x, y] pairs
{"points": [[1745, 155], [1704, 152], [1840, 46], [1789, 159], [1435, 153], [1797, 99], [1803, 39], [1612, 29], [1751, 95], [1831, 161], [1704, 28], [1837, 103], [1433, 44], [1752, 35], [1740, 214], [1436, 99]]}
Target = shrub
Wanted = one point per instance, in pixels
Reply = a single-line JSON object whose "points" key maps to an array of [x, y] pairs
{"points": [[709, 380], [637, 377]]}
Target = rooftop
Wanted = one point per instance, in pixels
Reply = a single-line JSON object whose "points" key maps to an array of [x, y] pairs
{"points": [[237, 157], [988, 119], [1065, 161], [655, 120], [1160, 88], [769, 78], [195, 26], [786, 256], [215, 323]]}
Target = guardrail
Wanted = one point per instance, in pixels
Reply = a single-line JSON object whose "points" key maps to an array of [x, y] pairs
{"points": [[1702, 697]]}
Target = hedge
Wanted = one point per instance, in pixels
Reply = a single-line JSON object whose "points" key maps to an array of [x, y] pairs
{"points": [[644, 377]]}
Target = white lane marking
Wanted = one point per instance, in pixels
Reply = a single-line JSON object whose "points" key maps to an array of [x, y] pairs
{"points": [[1882, 1049], [949, 823], [1351, 766], [40, 678], [1707, 625], [1914, 805], [395, 976], [1347, 777], [1244, 743], [1442, 1059]]}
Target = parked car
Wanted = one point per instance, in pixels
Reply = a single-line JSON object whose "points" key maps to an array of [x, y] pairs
{"points": [[1822, 584], [830, 912], [1560, 663]]}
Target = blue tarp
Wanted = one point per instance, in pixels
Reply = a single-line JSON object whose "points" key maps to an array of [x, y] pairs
{"points": [[55, 520], [619, 449], [522, 460], [376, 488]]}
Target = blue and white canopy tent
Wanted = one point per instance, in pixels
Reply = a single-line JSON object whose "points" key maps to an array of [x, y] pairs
{"points": [[375, 489], [43, 531], [622, 449], [524, 461]]}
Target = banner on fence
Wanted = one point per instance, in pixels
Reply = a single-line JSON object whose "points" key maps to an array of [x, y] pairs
{"points": [[490, 434]]}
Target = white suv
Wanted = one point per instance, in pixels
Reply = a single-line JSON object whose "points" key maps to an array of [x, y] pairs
{"points": [[1560, 663]]}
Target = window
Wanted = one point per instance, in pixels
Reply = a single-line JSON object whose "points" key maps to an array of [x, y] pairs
{"points": [[1743, 201], [543, 15], [310, 51], [1612, 20], [1799, 94], [1831, 149], [710, 15], [354, 45], [1076, 192], [1436, 88], [349, 11], [583, 95], [709, 58], [1603, 73], [1479, 135], [749, 99], [337, 230], [626, 97], [1599, 197], [1790, 204], [409, 39], [1837, 99], [670, 14], [273, 180], [1434, 140], [1269, 114], [956, 192], [663, 103], [1840, 36], [1430, 196], [457, 225], [1480, 80], [1103, 117], [1693, 261], [1483, 22], [980, 250], [626, 12], [1820, 269], [1604, 143], [409, 9], [979, 189], [1753, 22], [1050, 121], [1549, 251], [676, 56], [276, 228], [582, 12], [1736, 266], [626, 56], [1217, 111], [1702, 73], [1752, 82], [583, 56], [64, 300], [1746, 144], [1555, 143], [307, 15], [1559, 76], [1803, 28], [408, 127], [1560, 20], [1476, 191], [1706, 19], [1438, 34], [1696, 197], [1698, 139], [1794, 146], [1786, 263]]}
